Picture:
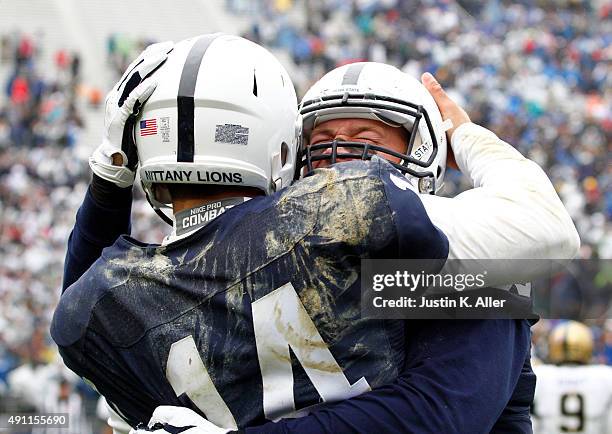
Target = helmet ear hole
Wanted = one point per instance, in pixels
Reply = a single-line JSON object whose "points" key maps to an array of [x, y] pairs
{"points": [[439, 171]]}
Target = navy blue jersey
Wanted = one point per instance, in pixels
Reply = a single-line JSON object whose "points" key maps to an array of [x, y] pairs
{"points": [[460, 377], [256, 314]]}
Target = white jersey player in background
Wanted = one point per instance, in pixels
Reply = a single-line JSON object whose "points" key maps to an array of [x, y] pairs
{"points": [[572, 396]]}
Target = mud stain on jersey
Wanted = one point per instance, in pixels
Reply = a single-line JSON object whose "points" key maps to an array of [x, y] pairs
{"points": [[343, 276], [199, 259], [119, 268], [305, 335], [305, 341], [347, 210], [181, 259], [312, 301], [157, 268], [274, 246]]}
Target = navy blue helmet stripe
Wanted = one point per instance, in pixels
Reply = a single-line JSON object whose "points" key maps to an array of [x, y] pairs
{"points": [[185, 102], [351, 76]]}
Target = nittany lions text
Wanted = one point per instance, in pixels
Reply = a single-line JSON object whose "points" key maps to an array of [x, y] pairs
{"points": [[191, 176]]}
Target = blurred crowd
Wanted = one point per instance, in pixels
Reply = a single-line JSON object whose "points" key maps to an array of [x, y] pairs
{"points": [[42, 108], [42, 182], [39, 124], [535, 72]]}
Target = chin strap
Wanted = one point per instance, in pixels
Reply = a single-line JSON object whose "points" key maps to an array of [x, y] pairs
{"points": [[163, 216], [159, 212]]}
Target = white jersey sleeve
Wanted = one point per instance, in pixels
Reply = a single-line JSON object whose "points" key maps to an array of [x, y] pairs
{"points": [[574, 399], [513, 211]]}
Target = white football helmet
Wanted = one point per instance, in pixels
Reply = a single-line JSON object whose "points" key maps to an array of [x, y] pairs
{"points": [[224, 113], [380, 92]]}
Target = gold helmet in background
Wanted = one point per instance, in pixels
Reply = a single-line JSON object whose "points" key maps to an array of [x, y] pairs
{"points": [[570, 342]]}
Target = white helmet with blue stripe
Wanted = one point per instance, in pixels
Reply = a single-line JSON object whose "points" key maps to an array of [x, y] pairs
{"points": [[223, 113]]}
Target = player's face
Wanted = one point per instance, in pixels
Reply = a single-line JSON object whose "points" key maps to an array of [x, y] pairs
{"points": [[358, 130]]}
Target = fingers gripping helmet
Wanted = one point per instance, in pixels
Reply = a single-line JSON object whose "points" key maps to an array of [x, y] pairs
{"points": [[224, 113], [380, 92]]}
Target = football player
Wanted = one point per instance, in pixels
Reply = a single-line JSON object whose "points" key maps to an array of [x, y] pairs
{"points": [[213, 311], [360, 110], [571, 395]]}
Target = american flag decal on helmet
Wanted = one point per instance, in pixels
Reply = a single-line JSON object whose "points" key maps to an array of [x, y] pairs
{"points": [[148, 127]]}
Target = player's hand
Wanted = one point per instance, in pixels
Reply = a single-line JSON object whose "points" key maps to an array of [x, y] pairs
{"points": [[449, 110], [168, 419], [116, 158]]}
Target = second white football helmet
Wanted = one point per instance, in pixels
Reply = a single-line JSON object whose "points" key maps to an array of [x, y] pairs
{"points": [[380, 92]]}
